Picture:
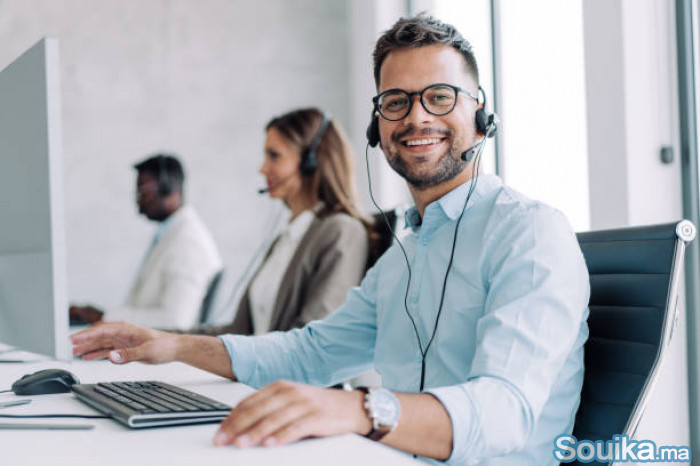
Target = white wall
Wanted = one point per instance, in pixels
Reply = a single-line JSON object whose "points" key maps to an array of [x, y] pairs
{"points": [[200, 78], [631, 88]]}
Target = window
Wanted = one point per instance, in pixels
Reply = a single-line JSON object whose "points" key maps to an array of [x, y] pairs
{"points": [[543, 104], [541, 100]]}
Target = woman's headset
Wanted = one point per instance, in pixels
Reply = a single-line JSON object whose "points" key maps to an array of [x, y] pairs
{"points": [[309, 157]]}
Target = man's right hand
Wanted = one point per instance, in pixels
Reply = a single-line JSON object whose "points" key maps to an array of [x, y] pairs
{"points": [[123, 342]]}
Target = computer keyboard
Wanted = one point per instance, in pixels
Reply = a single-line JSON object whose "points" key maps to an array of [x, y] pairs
{"points": [[150, 403]]}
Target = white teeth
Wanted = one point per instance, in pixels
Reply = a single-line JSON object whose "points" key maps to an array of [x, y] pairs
{"points": [[422, 142]]}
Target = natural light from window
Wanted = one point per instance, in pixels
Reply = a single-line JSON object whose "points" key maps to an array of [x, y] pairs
{"points": [[542, 100]]}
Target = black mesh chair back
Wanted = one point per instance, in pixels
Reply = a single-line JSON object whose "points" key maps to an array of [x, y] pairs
{"points": [[634, 274], [208, 301]]}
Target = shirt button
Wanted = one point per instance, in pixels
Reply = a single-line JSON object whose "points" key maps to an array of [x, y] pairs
{"points": [[415, 299]]}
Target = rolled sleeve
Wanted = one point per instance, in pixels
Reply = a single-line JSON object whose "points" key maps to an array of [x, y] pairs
{"points": [[241, 350], [481, 433]]}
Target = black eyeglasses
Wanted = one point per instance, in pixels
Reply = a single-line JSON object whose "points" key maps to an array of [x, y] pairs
{"points": [[437, 99]]}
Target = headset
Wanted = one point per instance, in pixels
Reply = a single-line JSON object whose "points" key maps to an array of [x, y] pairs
{"points": [[164, 186], [309, 158], [487, 125]]}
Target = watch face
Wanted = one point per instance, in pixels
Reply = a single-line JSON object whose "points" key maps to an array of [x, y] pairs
{"points": [[385, 406]]}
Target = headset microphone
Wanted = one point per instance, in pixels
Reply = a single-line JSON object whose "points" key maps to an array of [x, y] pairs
{"points": [[468, 154], [279, 183]]}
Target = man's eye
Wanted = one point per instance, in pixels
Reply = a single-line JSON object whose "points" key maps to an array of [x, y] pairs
{"points": [[395, 104], [441, 99]]}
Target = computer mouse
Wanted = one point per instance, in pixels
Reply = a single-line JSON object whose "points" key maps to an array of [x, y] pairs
{"points": [[45, 382]]}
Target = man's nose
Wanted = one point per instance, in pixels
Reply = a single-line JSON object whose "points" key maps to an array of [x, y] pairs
{"points": [[418, 115]]}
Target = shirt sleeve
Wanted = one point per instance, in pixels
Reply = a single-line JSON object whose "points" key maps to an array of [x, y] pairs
{"points": [[477, 410], [536, 303], [322, 353]]}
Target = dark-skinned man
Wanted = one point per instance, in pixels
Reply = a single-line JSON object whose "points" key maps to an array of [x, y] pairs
{"points": [[180, 263]]}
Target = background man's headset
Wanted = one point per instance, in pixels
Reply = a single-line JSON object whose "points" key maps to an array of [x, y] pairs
{"points": [[487, 125], [165, 188], [309, 156]]}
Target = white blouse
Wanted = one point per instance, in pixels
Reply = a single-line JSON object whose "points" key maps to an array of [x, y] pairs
{"points": [[264, 287]]}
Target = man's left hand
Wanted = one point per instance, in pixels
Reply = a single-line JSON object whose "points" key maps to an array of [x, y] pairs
{"points": [[284, 412]]}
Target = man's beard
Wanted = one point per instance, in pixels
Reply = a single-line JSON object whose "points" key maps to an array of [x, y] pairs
{"points": [[449, 165]]}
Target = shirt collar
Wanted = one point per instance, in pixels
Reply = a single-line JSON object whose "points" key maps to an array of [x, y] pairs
{"points": [[451, 204]]}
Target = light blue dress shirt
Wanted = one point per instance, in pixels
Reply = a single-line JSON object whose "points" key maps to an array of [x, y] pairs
{"points": [[507, 360]]}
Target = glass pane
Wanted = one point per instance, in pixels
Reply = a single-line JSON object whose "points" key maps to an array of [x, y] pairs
{"points": [[543, 104]]}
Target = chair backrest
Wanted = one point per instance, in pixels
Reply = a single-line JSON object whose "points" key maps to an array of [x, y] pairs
{"points": [[208, 301], [384, 235], [634, 274]]}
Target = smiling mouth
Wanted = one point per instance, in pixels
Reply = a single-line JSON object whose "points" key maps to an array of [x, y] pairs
{"points": [[422, 142]]}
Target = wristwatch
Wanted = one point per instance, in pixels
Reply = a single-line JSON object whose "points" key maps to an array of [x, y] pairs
{"points": [[383, 409]]}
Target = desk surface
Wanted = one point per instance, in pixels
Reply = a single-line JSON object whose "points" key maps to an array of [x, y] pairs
{"points": [[110, 443]]}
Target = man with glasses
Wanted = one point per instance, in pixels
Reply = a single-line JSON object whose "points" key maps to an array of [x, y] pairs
{"points": [[476, 322], [180, 263]]}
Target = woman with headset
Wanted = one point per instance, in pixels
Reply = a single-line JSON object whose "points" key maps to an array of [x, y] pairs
{"points": [[323, 251]]}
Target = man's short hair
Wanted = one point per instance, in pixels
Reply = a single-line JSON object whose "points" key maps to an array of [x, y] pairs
{"points": [[166, 168], [419, 31]]}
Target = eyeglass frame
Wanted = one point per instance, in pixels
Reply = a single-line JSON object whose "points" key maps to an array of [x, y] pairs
{"points": [[457, 89]]}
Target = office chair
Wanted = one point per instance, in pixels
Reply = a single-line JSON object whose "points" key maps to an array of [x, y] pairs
{"points": [[634, 275], [208, 301], [384, 237]]}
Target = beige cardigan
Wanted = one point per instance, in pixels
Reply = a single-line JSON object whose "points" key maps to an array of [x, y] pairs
{"points": [[330, 259]]}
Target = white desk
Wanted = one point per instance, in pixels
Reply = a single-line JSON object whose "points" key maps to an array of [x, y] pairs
{"points": [[110, 443]]}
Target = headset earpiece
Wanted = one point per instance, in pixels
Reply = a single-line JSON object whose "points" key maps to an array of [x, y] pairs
{"points": [[309, 158], [373, 130], [482, 121], [164, 187], [486, 123]]}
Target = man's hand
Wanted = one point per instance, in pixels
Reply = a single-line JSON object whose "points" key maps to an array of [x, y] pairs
{"points": [[284, 412], [123, 342], [85, 314]]}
